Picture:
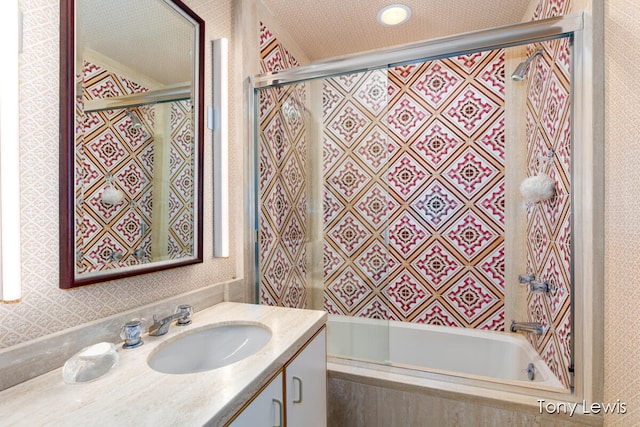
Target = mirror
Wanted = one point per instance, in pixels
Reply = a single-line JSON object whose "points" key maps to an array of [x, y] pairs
{"points": [[131, 129]]}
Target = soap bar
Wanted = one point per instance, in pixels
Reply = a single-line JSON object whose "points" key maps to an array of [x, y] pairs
{"points": [[96, 351], [90, 363]]}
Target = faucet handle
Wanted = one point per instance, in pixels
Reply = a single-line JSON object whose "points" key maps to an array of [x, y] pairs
{"points": [[525, 279], [131, 333], [531, 282], [186, 311]]}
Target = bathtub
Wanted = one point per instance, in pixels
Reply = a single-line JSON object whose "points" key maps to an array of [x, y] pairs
{"points": [[476, 354]]}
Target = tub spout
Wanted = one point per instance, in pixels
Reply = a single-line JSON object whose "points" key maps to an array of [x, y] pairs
{"points": [[528, 327]]}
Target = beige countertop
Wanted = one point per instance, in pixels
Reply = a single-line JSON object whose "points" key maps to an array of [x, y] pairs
{"points": [[134, 394]]}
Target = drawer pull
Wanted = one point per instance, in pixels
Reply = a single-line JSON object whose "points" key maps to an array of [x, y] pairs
{"points": [[280, 413], [297, 379]]}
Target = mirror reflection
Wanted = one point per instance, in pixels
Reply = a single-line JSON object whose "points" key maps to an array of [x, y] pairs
{"points": [[136, 148]]}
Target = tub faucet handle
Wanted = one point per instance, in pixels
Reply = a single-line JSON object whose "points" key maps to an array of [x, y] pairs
{"points": [[534, 284], [526, 278]]}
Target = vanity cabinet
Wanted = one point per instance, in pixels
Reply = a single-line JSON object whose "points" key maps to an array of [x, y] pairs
{"points": [[299, 400], [266, 409], [306, 385]]}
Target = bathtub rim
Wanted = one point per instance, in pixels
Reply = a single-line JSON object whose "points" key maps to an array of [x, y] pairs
{"points": [[406, 372], [455, 388], [500, 336]]}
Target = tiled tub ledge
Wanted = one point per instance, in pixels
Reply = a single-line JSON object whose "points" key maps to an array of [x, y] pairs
{"points": [[24, 361], [365, 395], [132, 393]]}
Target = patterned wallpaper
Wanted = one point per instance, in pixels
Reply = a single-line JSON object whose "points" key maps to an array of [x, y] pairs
{"points": [[622, 204], [113, 152], [414, 157], [548, 130], [45, 308], [413, 207], [282, 183]]}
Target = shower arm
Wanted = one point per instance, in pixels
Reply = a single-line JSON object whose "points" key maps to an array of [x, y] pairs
{"points": [[521, 70]]}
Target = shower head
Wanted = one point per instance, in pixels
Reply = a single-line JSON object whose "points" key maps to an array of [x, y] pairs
{"points": [[521, 70], [134, 119]]}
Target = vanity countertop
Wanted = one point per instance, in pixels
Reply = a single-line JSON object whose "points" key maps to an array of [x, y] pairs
{"points": [[134, 394]]}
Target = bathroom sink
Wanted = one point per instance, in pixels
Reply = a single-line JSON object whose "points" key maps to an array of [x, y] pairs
{"points": [[209, 348]]}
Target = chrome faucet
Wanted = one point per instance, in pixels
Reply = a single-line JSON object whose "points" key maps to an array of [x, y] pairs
{"points": [[182, 315], [534, 284], [535, 328]]}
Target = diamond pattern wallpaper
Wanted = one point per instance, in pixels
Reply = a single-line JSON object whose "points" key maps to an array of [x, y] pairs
{"points": [[413, 162], [112, 151], [549, 222], [282, 183], [413, 209], [414, 186]]}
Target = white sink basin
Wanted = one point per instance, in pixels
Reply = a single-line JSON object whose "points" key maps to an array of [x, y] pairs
{"points": [[209, 348]]}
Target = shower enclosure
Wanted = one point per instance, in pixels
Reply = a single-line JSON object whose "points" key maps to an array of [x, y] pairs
{"points": [[387, 190]]}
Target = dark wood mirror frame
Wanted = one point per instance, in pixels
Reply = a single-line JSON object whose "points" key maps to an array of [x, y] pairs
{"points": [[68, 278]]}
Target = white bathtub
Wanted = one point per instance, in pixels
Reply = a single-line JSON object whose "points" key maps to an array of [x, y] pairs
{"points": [[485, 355]]}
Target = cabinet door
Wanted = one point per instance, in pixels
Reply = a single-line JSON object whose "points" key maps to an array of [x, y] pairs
{"points": [[306, 389], [266, 409]]}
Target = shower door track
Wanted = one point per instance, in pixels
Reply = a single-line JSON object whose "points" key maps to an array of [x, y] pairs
{"points": [[174, 94], [493, 38]]}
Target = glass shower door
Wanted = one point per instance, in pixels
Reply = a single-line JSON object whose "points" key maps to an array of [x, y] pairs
{"points": [[408, 206], [323, 206], [355, 214], [283, 128]]}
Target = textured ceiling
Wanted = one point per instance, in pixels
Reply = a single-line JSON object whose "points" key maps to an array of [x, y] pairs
{"points": [[329, 28], [145, 35]]}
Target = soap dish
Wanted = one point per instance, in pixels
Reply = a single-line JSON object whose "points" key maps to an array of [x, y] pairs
{"points": [[90, 363]]}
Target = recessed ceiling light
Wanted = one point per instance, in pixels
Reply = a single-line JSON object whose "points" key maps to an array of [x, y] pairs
{"points": [[394, 14]]}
